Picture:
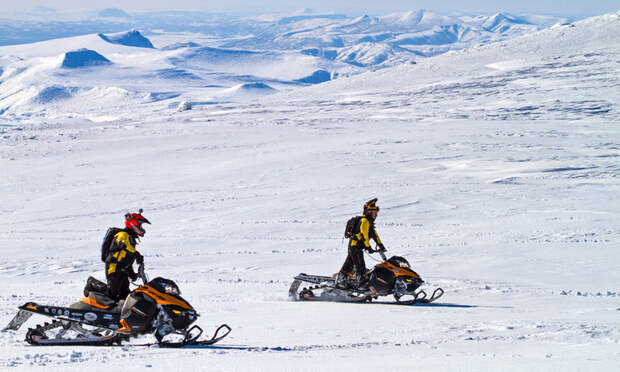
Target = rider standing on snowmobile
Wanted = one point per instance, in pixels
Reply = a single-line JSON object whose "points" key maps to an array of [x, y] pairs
{"points": [[123, 253], [363, 231]]}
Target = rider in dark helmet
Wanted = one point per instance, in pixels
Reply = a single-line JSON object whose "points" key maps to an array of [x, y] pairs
{"points": [[123, 253], [358, 242]]}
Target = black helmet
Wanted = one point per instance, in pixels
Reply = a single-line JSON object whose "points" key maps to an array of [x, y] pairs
{"points": [[370, 206]]}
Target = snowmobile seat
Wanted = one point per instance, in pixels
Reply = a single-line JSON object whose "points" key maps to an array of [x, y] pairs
{"points": [[98, 301], [95, 285]]}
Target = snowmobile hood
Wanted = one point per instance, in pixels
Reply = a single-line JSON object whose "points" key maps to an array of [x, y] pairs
{"points": [[399, 266], [159, 294]]}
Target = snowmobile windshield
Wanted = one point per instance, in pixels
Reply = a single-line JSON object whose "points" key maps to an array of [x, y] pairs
{"points": [[166, 286], [399, 262]]}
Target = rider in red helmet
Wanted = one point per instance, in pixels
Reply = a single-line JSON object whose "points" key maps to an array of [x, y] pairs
{"points": [[123, 253]]}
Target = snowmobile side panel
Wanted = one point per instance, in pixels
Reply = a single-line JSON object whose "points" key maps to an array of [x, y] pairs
{"points": [[138, 312], [382, 280]]}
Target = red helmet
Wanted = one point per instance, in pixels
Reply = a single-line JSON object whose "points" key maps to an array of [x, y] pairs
{"points": [[134, 221]]}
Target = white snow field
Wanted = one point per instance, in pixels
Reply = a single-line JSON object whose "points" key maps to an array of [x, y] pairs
{"points": [[496, 170]]}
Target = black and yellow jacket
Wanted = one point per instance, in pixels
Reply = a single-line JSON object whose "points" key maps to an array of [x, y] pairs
{"points": [[365, 232], [122, 255]]}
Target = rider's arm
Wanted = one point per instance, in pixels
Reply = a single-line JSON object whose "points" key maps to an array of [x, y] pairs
{"points": [[132, 274], [365, 232], [376, 238]]}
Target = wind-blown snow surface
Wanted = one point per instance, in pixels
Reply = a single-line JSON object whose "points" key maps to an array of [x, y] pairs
{"points": [[496, 171]]}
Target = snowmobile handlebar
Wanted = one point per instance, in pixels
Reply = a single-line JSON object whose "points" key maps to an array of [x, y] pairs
{"points": [[142, 274], [381, 252]]}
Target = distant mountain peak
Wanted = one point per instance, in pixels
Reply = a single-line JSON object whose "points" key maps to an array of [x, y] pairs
{"points": [[412, 16], [362, 19], [113, 13], [131, 38], [502, 21]]}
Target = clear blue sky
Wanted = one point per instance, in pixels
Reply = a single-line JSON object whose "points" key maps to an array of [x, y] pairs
{"points": [[372, 7]]}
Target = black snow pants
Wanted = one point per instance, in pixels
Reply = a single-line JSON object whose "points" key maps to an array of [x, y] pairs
{"points": [[355, 259], [118, 287]]}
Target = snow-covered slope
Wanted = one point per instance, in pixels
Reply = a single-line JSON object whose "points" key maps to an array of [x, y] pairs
{"points": [[128, 63], [496, 170], [418, 29], [282, 51], [562, 73]]}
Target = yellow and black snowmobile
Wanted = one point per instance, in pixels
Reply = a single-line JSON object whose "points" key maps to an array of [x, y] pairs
{"points": [[393, 276], [156, 307]]}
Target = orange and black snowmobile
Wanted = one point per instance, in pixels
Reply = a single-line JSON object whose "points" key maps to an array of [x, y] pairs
{"points": [[156, 307], [393, 276]]}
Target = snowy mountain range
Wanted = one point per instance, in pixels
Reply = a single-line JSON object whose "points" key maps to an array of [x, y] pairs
{"points": [[202, 58], [495, 166]]}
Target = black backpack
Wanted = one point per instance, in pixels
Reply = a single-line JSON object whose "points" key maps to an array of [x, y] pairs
{"points": [[352, 226], [107, 242]]}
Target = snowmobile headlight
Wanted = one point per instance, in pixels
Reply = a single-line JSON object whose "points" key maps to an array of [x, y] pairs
{"points": [[171, 290]]}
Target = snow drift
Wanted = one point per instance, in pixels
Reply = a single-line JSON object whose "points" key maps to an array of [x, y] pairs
{"points": [[317, 77], [54, 93]]}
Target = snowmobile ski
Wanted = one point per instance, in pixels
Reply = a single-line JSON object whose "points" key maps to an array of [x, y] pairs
{"points": [[194, 340], [420, 298]]}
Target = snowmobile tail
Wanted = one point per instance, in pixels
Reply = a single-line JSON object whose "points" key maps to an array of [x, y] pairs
{"points": [[18, 320], [88, 317], [314, 279], [67, 319]]}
